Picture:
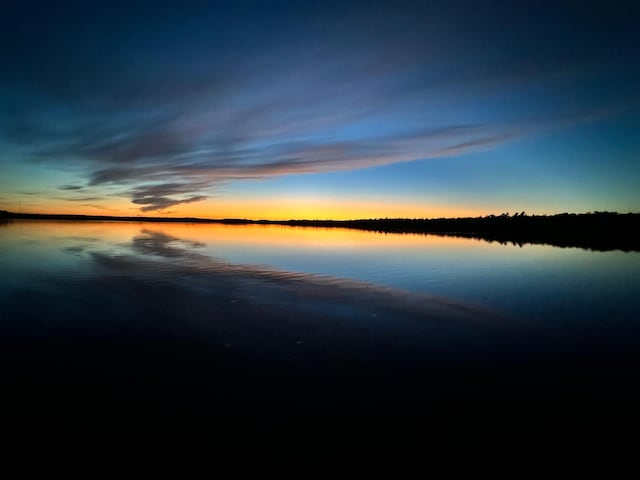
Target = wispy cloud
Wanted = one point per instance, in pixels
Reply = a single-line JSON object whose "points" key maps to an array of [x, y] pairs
{"points": [[218, 97], [99, 207], [160, 203], [162, 196], [168, 163], [206, 165], [82, 199]]}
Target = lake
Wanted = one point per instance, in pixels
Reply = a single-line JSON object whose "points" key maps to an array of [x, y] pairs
{"points": [[298, 343]]}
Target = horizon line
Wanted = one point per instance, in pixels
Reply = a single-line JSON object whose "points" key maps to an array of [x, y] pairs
{"points": [[264, 220]]}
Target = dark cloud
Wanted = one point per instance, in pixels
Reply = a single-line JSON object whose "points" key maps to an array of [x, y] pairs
{"points": [[161, 196], [163, 189], [70, 187], [161, 203]]}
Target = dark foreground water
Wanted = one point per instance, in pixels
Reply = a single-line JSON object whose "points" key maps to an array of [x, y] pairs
{"points": [[311, 345]]}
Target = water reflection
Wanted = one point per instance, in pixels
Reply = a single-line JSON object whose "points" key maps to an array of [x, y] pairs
{"points": [[534, 283], [160, 268], [239, 329]]}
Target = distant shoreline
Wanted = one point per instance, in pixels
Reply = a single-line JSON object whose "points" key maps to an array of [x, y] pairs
{"points": [[595, 231]]}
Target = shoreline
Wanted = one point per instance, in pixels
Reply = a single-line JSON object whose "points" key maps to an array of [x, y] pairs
{"points": [[601, 231]]}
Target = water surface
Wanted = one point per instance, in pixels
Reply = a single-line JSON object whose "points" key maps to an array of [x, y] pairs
{"points": [[147, 330]]}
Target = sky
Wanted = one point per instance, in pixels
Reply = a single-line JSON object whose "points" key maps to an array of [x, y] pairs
{"points": [[319, 109]]}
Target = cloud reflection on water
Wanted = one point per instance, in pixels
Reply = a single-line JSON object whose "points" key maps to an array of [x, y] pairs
{"points": [[162, 282]]}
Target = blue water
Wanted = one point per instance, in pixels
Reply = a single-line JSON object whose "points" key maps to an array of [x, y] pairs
{"points": [[535, 283]]}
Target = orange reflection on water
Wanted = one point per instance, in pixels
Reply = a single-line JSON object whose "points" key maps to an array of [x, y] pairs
{"points": [[282, 236], [308, 237]]}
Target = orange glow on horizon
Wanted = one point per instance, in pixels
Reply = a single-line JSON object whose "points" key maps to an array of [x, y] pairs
{"points": [[262, 209]]}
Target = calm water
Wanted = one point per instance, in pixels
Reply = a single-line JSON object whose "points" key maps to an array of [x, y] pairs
{"points": [[144, 329]]}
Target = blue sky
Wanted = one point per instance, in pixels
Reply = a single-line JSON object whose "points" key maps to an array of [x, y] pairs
{"points": [[319, 109]]}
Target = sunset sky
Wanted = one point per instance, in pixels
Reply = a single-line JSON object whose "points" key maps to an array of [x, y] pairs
{"points": [[319, 109]]}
